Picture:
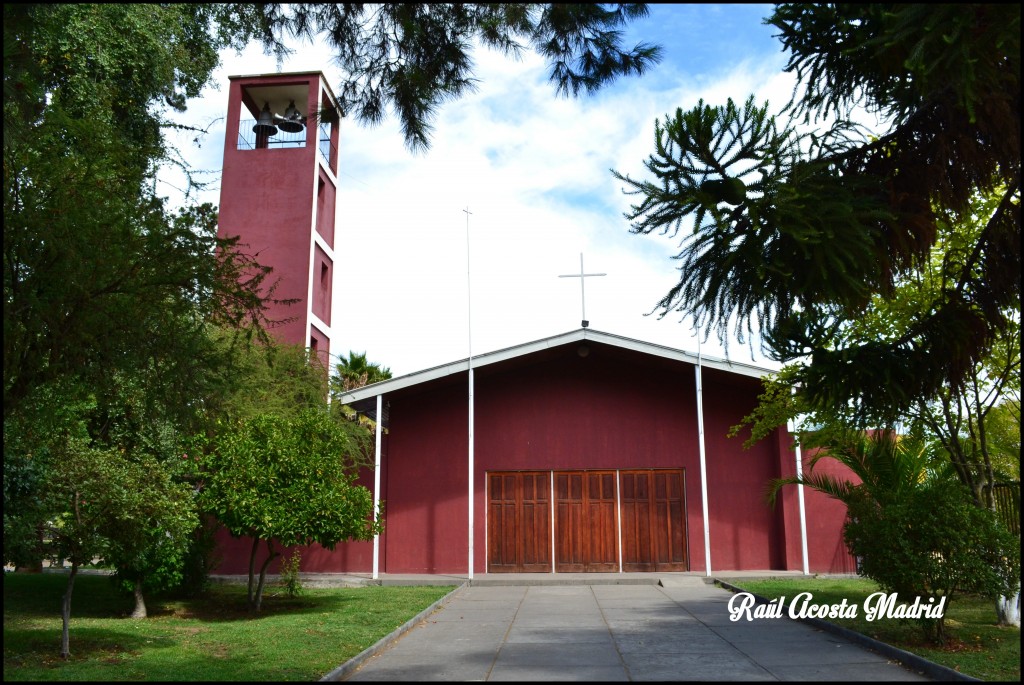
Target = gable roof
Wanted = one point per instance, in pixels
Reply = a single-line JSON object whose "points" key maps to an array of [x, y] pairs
{"points": [[361, 398]]}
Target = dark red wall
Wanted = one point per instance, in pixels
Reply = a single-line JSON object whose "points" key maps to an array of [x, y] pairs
{"points": [[613, 409]]}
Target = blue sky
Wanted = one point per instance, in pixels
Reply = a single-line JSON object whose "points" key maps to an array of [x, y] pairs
{"points": [[533, 170]]}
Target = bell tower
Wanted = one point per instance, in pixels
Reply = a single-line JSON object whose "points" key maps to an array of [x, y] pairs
{"points": [[278, 194]]}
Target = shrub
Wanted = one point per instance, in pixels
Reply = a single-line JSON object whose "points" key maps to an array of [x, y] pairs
{"points": [[933, 542], [290, 579]]}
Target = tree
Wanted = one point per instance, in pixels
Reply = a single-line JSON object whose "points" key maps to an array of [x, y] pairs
{"points": [[355, 371], [411, 57], [1002, 430], [272, 378], [98, 275], [958, 415], [795, 228], [289, 481], [962, 419], [101, 506], [936, 543], [913, 527]]}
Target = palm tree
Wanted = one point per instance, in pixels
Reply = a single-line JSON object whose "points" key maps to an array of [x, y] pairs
{"points": [[355, 371], [887, 465]]}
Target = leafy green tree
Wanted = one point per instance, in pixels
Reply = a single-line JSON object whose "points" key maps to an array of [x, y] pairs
{"points": [[270, 378], [106, 508], [797, 224], [913, 527], [98, 275], [961, 419], [957, 415], [32, 437], [289, 481], [1002, 429]]}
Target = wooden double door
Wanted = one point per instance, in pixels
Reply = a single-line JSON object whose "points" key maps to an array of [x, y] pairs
{"points": [[586, 521]]}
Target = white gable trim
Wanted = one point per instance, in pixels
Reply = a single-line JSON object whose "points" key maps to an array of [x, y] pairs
{"points": [[578, 335]]}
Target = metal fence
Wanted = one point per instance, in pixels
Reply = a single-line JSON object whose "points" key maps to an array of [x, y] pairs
{"points": [[283, 139], [1007, 501], [247, 137]]}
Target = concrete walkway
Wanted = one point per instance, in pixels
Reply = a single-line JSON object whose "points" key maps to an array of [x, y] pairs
{"points": [[632, 630]]}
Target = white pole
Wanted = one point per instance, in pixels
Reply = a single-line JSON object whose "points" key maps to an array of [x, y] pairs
{"points": [[800, 499], [618, 509], [703, 460], [376, 483], [551, 496], [583, 296], [469, 329]]}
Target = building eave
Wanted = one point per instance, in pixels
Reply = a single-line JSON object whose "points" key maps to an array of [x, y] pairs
{"points": [[576, 336]]}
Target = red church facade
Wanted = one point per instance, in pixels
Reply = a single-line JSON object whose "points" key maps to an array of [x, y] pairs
{"points": [[586, 458]]}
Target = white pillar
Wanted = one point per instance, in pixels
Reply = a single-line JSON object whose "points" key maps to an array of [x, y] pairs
{"points": [[703, 468], [618, 512], [800, 499], [376, 483], [551, 496], [471, 470]]}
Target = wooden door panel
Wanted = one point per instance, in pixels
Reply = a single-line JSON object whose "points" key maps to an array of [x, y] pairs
{"points": [[501, 521], [671, 521], [535, 538], [586, 520], [636, 522], [603, 556], [518, 523], [569, 519], [654, 530]]}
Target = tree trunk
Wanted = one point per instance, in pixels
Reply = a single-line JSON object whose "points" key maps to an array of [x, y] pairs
{"points": [[252, 571], [65, 613], [140, 601], [1008, 610], [271, 554]]}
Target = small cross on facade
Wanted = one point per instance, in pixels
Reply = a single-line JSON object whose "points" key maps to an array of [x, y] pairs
{"points": [[583, 300]]}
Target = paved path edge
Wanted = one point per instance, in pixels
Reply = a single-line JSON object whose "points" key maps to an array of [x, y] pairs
{"points": [[908, 659], [347, 668]]}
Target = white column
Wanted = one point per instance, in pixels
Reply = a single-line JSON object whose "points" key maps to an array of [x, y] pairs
{"points": [[471, 470], [618, 512], [800, 499], [703, 468], [551, 496], [376, 483]]}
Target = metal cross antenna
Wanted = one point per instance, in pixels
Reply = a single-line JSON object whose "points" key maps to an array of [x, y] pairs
{"points": [[583, 298], [469, 294]]}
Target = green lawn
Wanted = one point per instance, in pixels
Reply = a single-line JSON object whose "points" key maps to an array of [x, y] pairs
{"points": [[975, 646], [213, 638]]}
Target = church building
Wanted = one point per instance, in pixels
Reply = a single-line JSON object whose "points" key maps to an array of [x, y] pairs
{"points": [[583, 452]]}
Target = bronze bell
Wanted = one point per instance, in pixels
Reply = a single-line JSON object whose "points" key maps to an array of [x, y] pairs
{"points": [[265, 125], [292, 120]]}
